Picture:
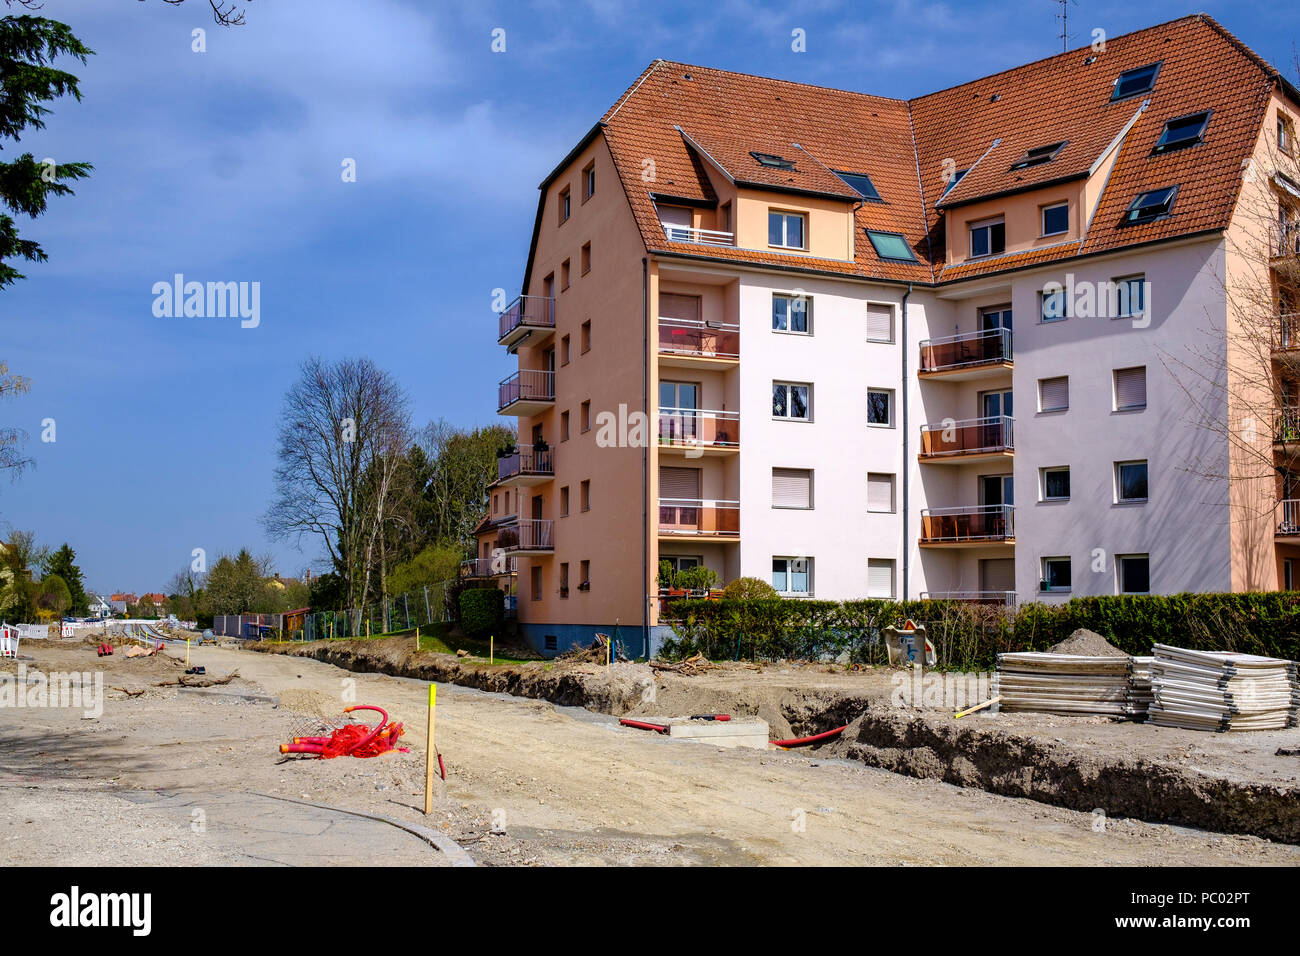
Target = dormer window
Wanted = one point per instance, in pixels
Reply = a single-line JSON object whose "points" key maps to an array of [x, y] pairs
{"points": [[988, 238], [1150, 206], [1038, 156], [1133, 82], [1182, 132], [786, 230], [772, 160], [861, 184]]}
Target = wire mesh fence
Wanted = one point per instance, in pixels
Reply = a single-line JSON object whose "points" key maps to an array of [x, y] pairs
{"points": [[420, 608]]}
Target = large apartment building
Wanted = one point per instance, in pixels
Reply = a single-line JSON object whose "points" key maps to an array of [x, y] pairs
{"points": [[989, 343]]}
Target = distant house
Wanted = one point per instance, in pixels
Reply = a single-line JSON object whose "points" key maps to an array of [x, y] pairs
{"points": [[99, 607], [120, 601]]}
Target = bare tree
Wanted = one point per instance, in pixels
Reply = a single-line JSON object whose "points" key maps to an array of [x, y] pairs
{"points": [[226, 14], [342, 442], [1241, 377], [11, 439]]}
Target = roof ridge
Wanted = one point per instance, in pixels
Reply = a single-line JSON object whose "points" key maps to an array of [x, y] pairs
{"points": [[1075, 50]]}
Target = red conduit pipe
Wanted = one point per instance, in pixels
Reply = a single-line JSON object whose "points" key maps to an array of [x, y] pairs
{"points": [[642, 725], [815, 738]]}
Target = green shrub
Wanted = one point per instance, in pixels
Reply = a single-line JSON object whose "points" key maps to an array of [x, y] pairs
{"points": [[748, 589], [970, 636], [482, 611]]}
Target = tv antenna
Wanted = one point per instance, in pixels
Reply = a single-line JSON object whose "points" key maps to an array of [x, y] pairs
{"points": [[1064, 17]]}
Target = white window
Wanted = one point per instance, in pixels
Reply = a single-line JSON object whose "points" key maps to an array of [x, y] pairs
{"points": [[792, 488], [1056, 574], [792, 576], [1056, 219], [1054, 394], [792, 401], [880, 578], [786, 230], [1056, 484], [880, 322], [1133, 573], [1130, 388], [988, 238], [880, 492], [880, 407], [1130, 297], [791, 313], [1130, 481]]}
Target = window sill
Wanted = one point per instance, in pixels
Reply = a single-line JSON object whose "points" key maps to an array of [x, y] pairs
{"points": [[789, 332]]}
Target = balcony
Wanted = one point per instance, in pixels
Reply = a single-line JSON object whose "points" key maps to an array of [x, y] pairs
{"points": [[692, 344], [529, 536], [970, 526], [973, 439], [698, 518], [1287, 332], [1288, 518], [527, 465], [1284, 239], [988, 598], [527, 392], [480, 568], [699, 237], [971, 355], [695, 431], [1286, 427], [530, 317]]}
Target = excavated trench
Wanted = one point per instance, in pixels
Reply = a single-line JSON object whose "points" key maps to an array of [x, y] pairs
{"points": [[973, 754]]}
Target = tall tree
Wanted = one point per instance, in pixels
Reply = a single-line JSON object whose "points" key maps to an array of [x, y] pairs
{"points": [[341, 447], [20, 556], [11, 439], [62, 564], [461, 465], [28, 47]]}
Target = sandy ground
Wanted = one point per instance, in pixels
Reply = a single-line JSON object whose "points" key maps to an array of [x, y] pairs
{"points": [[566, 785]]}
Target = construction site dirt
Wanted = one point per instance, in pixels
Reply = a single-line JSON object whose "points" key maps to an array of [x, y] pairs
{"points": [[539, 772]]}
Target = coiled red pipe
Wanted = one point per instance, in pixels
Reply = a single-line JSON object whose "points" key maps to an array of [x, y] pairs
{"points": [[815, 738]]}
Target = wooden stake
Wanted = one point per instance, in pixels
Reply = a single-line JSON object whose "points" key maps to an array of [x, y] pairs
{"points": [[970, 710], [187, 653], [429, 751], [492, 649], [417, 638]]}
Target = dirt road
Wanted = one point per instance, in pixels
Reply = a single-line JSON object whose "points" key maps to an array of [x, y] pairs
{"points": [[566, 785]]}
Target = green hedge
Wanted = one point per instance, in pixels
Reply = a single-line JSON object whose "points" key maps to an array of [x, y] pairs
{"points": [[482, 611], [970, 636]]}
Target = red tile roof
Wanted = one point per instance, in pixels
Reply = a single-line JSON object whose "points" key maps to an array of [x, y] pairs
{"points": [[909, 147]]}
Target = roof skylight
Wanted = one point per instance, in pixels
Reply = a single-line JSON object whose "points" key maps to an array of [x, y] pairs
{"points": [[1132, 82], [771, 159], [1038, 155], [1149, 206], [891, 245], [861, 184], [1183, 131]]}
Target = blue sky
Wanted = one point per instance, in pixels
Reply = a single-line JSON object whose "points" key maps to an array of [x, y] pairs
{"points": [[225, 166]]}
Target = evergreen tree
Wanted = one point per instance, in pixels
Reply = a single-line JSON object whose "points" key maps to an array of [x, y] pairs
{"points": [[62, 564]]}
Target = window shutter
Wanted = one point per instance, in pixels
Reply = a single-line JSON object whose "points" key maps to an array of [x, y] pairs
{"points": [[679, 483], [684, 308], [675, 215], [791, 488], [880, 492], [880, 578], [1054, 393], [880, 322], [1131, 387]]}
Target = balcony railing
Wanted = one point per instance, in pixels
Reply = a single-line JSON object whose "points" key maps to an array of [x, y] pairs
{"points": [[1287, 425], [971, 436], [699, 339], [529, 385], [699, 428], [526, 460], [970, 349], [530, 534], [972, 523], [527, 312], [992, 598], [700, 237], [692, 516], [482, 567], [1288, 516], [1284, 239], [1288, 330]]}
